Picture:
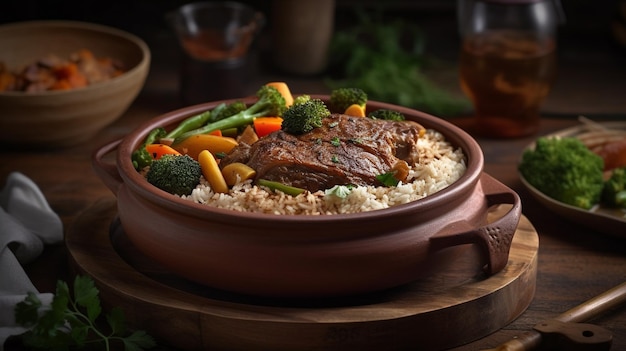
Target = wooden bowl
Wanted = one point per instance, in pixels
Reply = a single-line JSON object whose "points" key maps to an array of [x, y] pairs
{"points": [[69, 117], [297, 256]]}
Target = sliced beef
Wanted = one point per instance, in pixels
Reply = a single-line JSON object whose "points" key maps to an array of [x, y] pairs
{"points": [[345, 150]]}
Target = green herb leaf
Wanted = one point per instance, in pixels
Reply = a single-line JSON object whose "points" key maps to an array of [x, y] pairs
{"points": [[335, 141], [387, 179], [27, 312], [138, 341], [86, 296], [116, 321]]}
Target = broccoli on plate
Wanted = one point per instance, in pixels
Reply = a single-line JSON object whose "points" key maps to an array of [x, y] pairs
{"points": [[614, 191], [304, 116], [176, 174], [565, 170]]}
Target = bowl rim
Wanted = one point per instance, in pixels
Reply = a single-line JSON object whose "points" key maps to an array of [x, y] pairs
{"points": [[88, 26], [136, 182]]}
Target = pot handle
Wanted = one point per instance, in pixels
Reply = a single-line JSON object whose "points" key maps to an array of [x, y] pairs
{"points": [[494, 239], [107, 171]]}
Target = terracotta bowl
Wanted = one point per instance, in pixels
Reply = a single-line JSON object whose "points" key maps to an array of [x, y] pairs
{"points": [[311, 256], [69, 117]]}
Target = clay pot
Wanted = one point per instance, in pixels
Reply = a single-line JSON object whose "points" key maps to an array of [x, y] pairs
{"points": [[311, 256]]}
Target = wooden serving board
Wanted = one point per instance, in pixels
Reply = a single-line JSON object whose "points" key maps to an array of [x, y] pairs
{"points": [[456, 306]]}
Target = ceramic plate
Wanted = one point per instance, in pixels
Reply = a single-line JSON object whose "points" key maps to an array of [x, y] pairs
{"points": [[607, 220]]}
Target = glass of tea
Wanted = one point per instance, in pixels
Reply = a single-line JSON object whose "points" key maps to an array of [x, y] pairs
{"points": [[508, 61], [215, 38]]}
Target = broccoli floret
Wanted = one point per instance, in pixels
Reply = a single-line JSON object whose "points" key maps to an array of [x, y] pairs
{"points": [[301, 98], [614, 191], [270, 103], [565, 170], [141, 158], [342, 98], [176, 174], [386, 114], [304, 117]]}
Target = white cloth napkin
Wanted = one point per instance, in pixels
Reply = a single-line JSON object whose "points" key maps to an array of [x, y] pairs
{"points": [[27, 223]]}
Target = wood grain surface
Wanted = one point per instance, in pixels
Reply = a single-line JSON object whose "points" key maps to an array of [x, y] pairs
{"points": [[456, 306]]}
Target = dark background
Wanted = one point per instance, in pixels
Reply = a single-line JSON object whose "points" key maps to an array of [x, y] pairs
{"points": [[585, 19], [591, 59]]}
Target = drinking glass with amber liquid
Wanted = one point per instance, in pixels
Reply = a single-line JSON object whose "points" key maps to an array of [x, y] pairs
{"points": [[508, 62]]}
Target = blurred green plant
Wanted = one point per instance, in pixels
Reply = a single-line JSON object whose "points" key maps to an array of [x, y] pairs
{"points": [[387, 60]]}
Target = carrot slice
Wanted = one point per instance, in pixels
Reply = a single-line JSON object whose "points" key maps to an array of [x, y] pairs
{"points": [[158, 150], [265, 125], [355, 110]]}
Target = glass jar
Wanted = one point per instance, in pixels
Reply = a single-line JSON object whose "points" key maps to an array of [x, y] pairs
{"points": [[508, 61]]}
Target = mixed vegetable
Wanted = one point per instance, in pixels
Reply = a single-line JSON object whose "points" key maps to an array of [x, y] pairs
{"points": [[175, 160]]}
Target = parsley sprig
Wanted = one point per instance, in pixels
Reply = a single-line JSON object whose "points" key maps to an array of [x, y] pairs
{"points": [[73, 321], [388, 179]]}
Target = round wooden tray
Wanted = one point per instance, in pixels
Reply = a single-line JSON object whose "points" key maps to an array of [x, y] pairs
{"points": [[454, 307]]}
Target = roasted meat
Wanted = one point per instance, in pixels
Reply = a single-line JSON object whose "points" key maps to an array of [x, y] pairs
{"points": [[345, 150]]}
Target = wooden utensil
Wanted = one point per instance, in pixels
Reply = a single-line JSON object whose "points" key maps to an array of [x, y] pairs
{"points": [[566, 327]]}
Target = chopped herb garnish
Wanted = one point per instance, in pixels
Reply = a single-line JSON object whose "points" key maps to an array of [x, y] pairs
{"points": [[333, 124], [356, 140], [220, 155], [335, 159], [388, 179], [318, 141], [340, 191], [335, 141]]}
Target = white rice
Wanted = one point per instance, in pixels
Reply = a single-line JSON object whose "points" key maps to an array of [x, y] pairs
{"points": [[440, 165]]}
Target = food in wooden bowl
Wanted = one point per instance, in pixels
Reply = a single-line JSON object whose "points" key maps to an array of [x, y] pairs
{"points": [[81, 69], [324, 252], [68, 106]]}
